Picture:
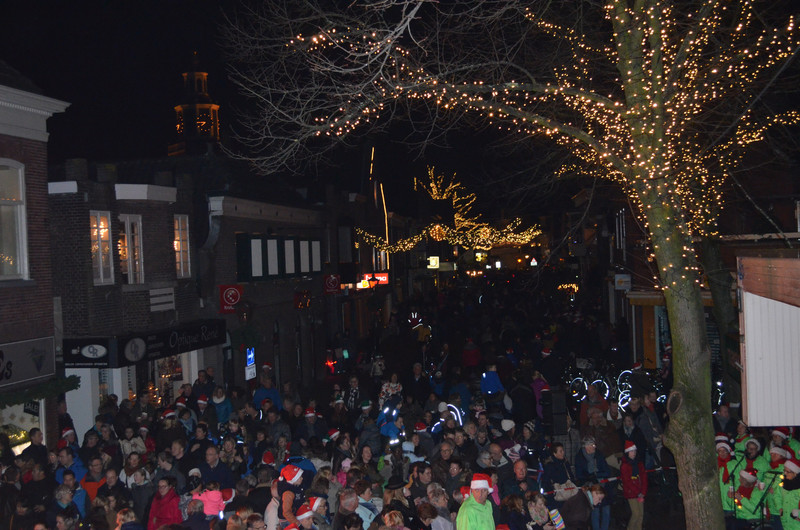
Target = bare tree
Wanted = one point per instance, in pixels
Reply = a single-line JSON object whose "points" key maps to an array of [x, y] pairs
{"points": [[656, 96]]}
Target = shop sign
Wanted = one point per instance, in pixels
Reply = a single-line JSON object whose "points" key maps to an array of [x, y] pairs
{"points": [[173, 341], [27, 360], [32, 408], [89, 352], [116, 352], [332, 283], [622, 282], [382, 277], [229, 296]]}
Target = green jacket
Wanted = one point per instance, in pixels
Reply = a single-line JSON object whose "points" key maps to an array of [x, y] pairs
{"points": [[747, 509], [475, 516], [725, 488], [790, 500]]}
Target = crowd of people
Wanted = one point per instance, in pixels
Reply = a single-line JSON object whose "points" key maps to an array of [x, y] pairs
{"points": [[467, 443]]}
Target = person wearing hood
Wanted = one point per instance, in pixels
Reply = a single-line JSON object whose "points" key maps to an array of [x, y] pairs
{"points": [[142, 492]]}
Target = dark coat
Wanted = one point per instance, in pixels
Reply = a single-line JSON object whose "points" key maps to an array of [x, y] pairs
{"points": [[577, 512], [196, 521]]}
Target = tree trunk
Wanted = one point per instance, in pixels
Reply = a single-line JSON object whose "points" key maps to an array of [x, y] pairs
{"points": [[690, 433]]}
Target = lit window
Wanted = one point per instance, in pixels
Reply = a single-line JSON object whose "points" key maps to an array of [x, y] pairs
{"points": [[13, 228], [179, 120], [100, 232], [181, 244], [130, 248]]}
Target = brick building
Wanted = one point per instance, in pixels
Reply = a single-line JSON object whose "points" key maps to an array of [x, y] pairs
{"points": [[27, 346], [126, 281]]}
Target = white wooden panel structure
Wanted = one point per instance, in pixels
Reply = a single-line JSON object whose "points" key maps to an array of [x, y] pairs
{"points": [[770, 340]]}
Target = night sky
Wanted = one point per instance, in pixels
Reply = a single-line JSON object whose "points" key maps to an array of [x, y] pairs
{"points": [[118, 64]]}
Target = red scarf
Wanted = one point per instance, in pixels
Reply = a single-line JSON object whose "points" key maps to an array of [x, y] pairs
{"points": [[774, 465], [721, 464], [746, 491]]}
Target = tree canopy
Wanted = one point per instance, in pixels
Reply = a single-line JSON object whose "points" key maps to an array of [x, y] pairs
{"points": [[661, 97]]}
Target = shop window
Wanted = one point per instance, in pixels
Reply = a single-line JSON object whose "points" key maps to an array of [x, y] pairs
{"points": [[100, 233], [13, 228], [130, 248], [181, 244]]}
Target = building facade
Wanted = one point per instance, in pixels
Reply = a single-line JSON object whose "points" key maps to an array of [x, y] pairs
{"points": [[27, 332]]}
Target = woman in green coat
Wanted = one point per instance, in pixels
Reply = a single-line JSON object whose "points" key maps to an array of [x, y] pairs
{"points": [[790, 495]]}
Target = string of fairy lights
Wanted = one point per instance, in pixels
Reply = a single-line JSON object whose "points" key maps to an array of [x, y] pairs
{"points": [[676, 69], [467, 230]]}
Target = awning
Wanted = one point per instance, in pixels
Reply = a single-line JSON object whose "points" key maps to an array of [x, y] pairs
{"points": [[125, 350]]}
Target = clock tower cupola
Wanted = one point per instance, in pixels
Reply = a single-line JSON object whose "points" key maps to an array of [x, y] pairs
{"points": [[197, 117]]}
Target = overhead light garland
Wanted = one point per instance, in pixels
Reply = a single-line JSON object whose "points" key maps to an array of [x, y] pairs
{"points": [[677, 72], [467, 230]]}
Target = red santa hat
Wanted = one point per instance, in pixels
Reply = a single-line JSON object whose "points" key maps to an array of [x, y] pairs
{"points": [[227, 495], [546, 352], [792, 465], [315, 502], [203, 399], [303, 512], [723, 444], [180, 402], [266, 366], [636, 366], [333, 433], [268, 458], [481, 481], [420, 427], [781, 431], [721, 437], [755, 441], [464, 491], [291, 474], [780, 451], [67, 431], [309, 413], [169, 413], [144, 428], [748, 476], [629, 446]]}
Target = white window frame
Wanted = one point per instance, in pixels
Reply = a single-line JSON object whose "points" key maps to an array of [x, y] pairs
{"points": [[135, 268], [183, 258], [21, 220], [97, 215]]}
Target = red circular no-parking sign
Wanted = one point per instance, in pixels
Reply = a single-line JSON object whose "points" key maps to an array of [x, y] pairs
{"points": [[231, 296]]}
